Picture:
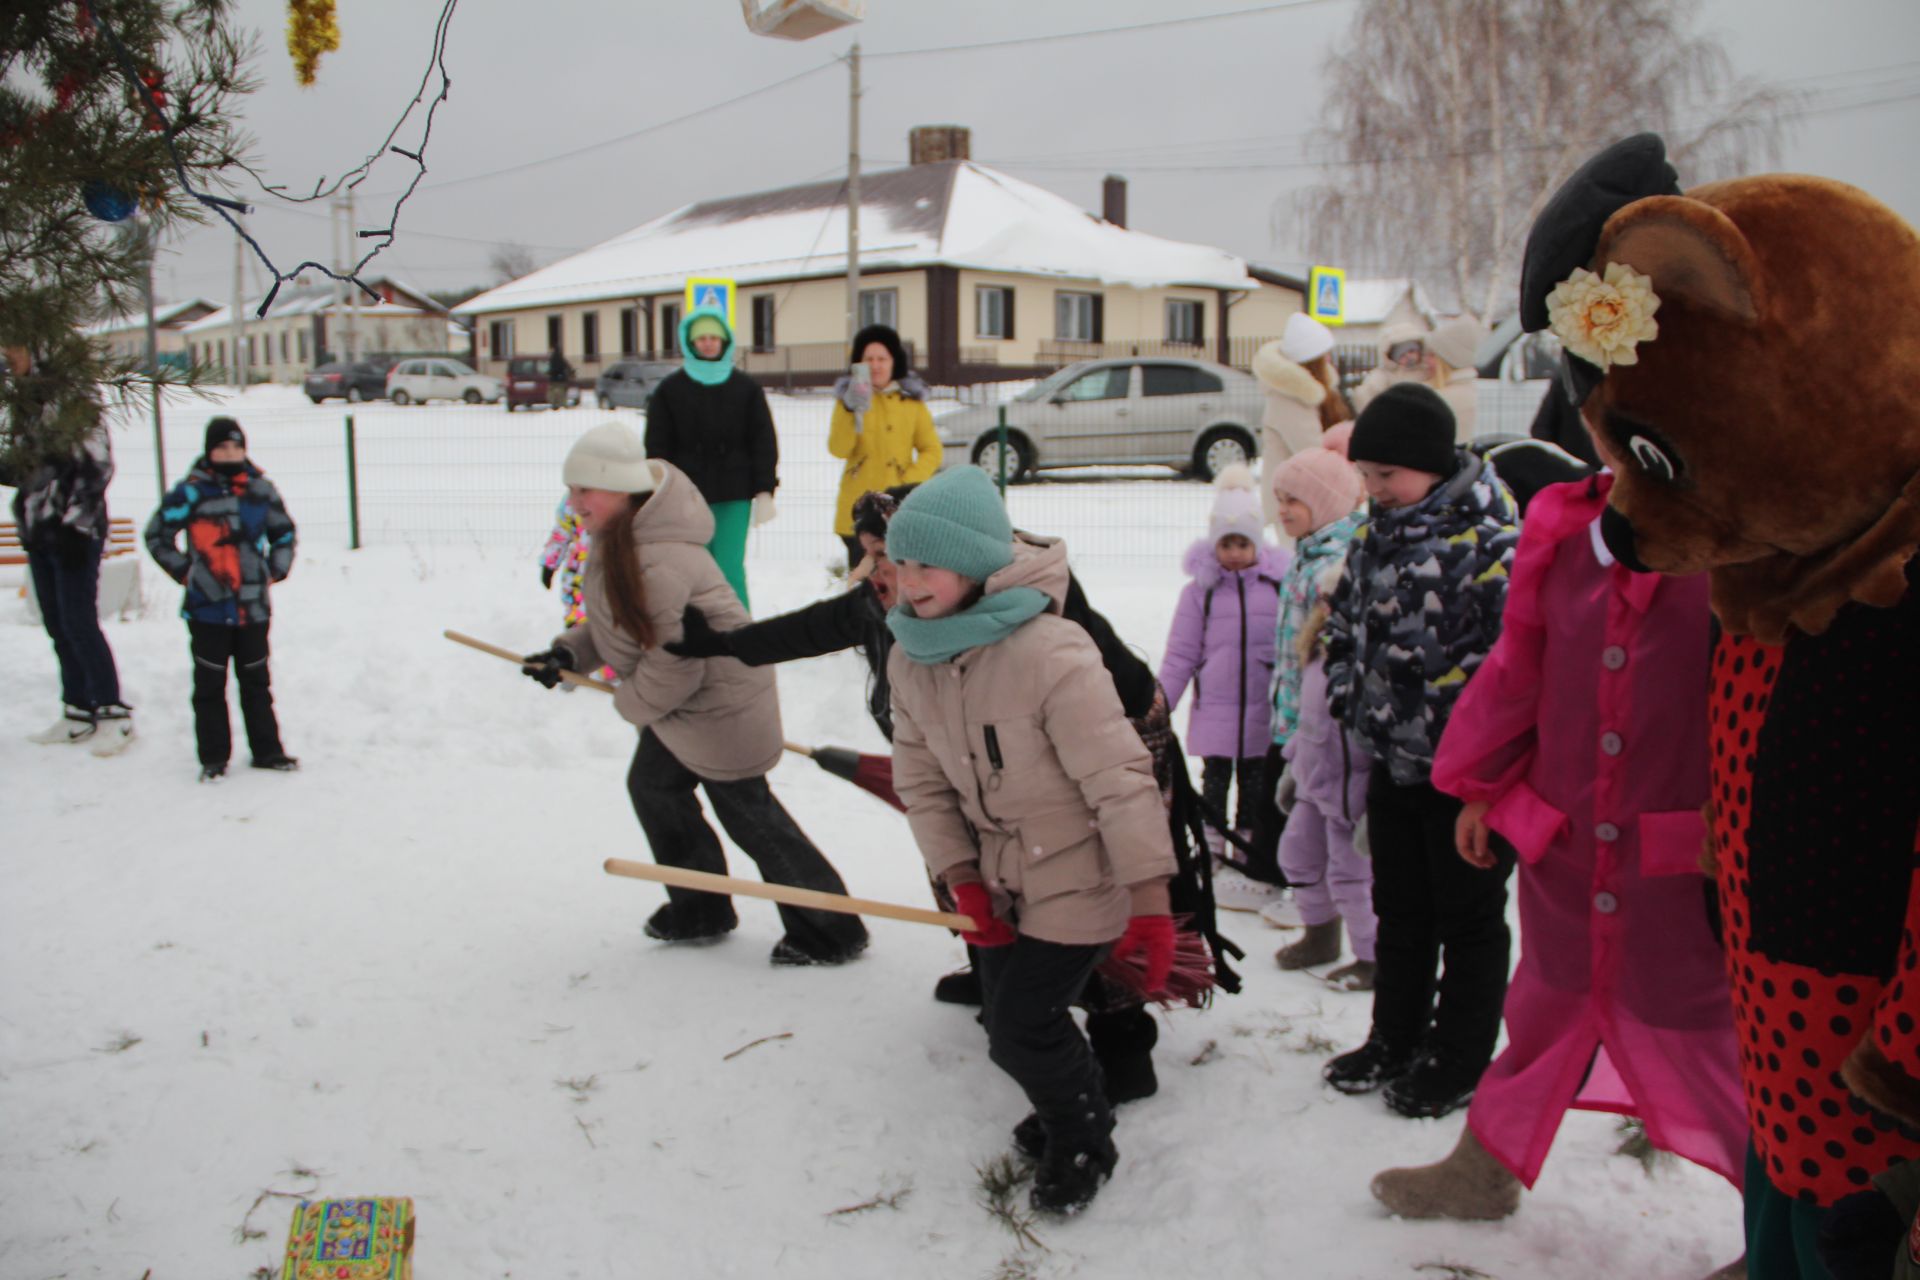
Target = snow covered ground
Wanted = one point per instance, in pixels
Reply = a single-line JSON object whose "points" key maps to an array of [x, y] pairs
{"points": [[402, 971]]}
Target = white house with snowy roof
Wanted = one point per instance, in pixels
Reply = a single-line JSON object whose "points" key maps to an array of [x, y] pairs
{"points": [[982, 274], [310, 322], [124, 337]]}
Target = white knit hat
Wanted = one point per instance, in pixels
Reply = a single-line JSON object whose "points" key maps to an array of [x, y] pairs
{"points": [[1236, 505], [1305, 338], [611, 457]]}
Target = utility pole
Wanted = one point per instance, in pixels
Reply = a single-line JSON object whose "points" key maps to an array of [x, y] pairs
{"points": [[853, 194], [152, 246], [239, 334]]}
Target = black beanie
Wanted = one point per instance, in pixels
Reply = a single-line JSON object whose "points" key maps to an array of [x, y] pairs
{"points": [[887, 338], [1407, 425], [221, 430]]}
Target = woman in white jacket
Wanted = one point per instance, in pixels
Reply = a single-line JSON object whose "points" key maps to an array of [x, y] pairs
{"points": [[1303, 397]]}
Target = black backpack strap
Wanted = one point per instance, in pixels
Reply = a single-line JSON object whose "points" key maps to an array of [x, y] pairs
{"points": [[1192, 887]]}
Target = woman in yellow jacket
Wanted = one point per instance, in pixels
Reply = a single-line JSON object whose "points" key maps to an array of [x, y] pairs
{"points": [[882, 428]]}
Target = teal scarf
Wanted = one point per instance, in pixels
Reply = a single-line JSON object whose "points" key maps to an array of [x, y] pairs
{"points": [[990, 620], [708, 373]]}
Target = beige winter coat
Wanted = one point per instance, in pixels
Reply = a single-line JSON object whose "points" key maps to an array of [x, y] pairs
{"points": [[1292, 420], [1385, 373], [719, 717], [1016, 759]]}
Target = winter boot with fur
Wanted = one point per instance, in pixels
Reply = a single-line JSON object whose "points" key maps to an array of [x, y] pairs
{"points": [[1320, 945], [1469, 1186], [76, 725], [1123, 1043]]}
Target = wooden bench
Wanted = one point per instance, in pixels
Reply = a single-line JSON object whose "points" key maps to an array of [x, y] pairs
{"points": [[123, 539]]}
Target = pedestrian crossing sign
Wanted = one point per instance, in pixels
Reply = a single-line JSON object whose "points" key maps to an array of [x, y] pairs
{"points": [[711, 295], [1327, 295]]}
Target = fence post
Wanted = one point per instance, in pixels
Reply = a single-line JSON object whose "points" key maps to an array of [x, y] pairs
{"points": [[353, 491], [1002, 432]]}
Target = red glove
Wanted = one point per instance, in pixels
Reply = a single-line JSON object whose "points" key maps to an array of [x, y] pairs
{"points": [[1152, 936], [972, 899]]}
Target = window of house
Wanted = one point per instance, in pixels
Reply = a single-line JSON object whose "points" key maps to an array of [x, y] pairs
{"points": [[880, 306], [556, 333], [629, 331], [500, 338], [670, 328], [590, 336], [1186, 321], [283, 346], [1102, 384], [301, 345], [992, 312], [1077, 317], [763, 322], [1176, 380]]}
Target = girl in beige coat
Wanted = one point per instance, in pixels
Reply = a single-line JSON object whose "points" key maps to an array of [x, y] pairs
{"points": [[704, 723], [1031, 797]]}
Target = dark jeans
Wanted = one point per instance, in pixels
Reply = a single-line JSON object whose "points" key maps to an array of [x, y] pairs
{"points": [[1029, 989], [1263, 863], [1216, 779], [662, 790], [68, 595], [1432, 906], [214, 646]]}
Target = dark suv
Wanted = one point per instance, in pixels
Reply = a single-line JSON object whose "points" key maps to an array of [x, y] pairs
{"points": [[362, 380]]}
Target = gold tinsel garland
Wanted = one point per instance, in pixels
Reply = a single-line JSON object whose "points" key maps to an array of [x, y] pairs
{"points": [[311, 31]]}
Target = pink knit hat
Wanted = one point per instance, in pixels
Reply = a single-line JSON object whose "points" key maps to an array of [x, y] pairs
{"points": [[1335, 437], [1322, 479]]}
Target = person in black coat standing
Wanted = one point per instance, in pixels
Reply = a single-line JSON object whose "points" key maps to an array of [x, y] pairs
{"points": [[559, 378], [712, 421]]}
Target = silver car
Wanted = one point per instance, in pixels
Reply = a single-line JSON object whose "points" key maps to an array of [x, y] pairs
{"points": [[1187, 414]]}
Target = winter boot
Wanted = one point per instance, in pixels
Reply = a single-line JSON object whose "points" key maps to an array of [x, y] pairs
{"points": [[1357, 976], [75, 725], [691, 923], [113, 729], [1070, 1174], [962, 986], [1437, 1084], [789, 954], [1468, 1186], [1321, 945], [213, 772], [1367, 1068], [1123, 1046], [280, 764], [1030, 1137]]}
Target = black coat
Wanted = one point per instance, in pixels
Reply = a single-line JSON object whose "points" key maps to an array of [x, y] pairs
{"points": [[721, 436], [856, 618]]}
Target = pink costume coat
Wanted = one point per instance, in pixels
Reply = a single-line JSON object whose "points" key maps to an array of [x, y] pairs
{"points": [[1586, 730]]}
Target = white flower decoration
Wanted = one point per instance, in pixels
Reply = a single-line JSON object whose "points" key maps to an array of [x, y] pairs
{"points": [[1602, 320]]}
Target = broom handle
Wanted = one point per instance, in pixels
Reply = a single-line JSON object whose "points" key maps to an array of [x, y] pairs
{"points": [[571, 677], [798, 750], [682, 878]]}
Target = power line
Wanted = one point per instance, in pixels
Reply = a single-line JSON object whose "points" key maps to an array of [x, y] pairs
{"points": [[1191, 20]]}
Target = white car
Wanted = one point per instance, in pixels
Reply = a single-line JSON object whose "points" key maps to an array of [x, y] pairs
{"points": [[440, 378]]}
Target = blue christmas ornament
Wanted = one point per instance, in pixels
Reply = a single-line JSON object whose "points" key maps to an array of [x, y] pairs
{"points": [[107, 203]]}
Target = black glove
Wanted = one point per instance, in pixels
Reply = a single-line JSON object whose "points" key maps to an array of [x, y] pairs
{"points": [[546, 576], [547, 665], [698, 640]]}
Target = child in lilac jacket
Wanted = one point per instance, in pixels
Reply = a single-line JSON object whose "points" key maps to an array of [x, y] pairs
{"points": [[1221, 642]]}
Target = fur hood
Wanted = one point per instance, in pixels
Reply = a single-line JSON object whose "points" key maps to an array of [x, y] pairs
{"points": [[1204, 567], [1286, 377]]}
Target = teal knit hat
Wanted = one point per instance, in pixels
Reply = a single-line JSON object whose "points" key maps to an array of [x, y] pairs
{"points": [[954, 521]]}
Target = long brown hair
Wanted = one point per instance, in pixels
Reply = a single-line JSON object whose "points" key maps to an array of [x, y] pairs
{"points": [[1333, 409], [626, 590]]}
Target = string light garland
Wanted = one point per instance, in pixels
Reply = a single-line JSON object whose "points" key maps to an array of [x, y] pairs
{"points": [[147, 87]]}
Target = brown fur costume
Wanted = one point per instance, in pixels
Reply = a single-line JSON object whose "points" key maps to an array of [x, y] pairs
{"points": [[1770, 435]]}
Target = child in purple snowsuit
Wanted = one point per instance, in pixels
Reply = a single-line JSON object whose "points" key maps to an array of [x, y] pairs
{"points": [[1222, 642], [1324, 788]]}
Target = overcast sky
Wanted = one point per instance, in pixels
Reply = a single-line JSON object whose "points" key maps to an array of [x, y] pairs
{"points": [[1206, 120]]}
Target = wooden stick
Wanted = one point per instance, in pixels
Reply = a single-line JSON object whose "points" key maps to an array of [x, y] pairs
{"points": [[571, 677], [682, 878], [798, 750]]}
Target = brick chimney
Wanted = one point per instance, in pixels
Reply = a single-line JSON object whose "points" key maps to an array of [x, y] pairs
{"points": [[932, 143], [1113, 200]]}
